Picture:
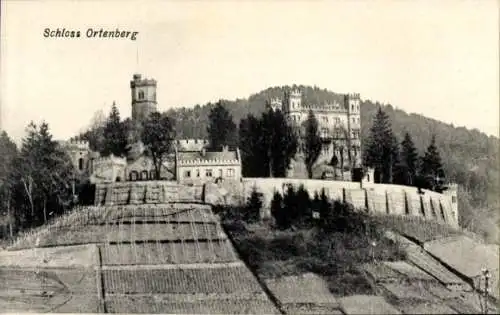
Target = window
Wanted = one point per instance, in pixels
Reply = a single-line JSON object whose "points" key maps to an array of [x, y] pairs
{"points": [[141, 95], [152, 175], [133, 176], [144, 175], [80, 164], [230, 172], [220, 173], [453, 199], [187, 174], [324, 132], [208, 173], [197, 173]]}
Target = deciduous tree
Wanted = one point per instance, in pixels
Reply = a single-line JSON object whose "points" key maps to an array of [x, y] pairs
{"points": [[157, 136]]}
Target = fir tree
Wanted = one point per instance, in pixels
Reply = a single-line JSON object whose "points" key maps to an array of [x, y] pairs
{"points": [[277, 210], [312, 143], [115, 134], [279, 142], [303, 215], [395, 162], [43, 175], [221, 129], [379, 152], [431, 165], [409, 161], [8, 154], [255, 160]]}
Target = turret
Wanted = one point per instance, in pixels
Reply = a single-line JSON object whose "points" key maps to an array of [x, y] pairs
{"points": [[78, 151], [293, 100], [143, 97]]}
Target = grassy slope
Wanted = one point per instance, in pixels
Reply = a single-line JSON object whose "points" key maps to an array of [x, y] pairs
{"points": [[333, 256]]}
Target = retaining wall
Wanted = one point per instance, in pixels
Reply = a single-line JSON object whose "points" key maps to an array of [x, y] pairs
{"points": [[374, 198]]}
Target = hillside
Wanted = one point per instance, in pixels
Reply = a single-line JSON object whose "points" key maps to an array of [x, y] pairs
{"points": [[470, 157]]}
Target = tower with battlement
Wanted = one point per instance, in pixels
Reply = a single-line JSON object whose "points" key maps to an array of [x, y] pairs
{"points": [[339, 127], [143, 97], [79, 153]]}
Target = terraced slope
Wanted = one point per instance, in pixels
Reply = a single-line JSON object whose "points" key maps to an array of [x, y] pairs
{"points": [[171, 258]]}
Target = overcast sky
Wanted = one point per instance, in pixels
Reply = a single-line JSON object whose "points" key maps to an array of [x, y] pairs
{"points": [[436, 58]]}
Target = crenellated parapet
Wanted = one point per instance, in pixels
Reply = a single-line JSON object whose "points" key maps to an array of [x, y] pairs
{"points": [[327, 108], [81, 145], [204, 162], [295, 93], [353, 95], [139, 81]]}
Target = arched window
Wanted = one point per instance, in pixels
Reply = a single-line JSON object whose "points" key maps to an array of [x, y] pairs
{"points": [[152, 175], [133, 176], [141, 95], [144, 175], [80, 164]]}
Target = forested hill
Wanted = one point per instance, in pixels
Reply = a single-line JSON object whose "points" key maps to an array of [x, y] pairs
{"points": [[470, 157]]}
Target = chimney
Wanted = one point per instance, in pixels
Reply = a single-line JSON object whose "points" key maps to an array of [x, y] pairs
{"points": [[203, 152]]}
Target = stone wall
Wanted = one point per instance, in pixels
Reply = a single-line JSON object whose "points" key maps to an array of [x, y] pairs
{"points": [[152, 192], [374, 198]]}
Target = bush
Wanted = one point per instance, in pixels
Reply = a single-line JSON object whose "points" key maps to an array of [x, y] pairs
{"points": [[253, 207], [278, 210]]}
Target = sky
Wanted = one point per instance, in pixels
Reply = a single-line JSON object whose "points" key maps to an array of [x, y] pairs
{"points": [[436, 58]]}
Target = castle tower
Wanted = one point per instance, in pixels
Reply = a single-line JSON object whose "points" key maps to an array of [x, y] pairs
{"points": [[293, 101], [143, 97], [79, 152], [353, 103]]}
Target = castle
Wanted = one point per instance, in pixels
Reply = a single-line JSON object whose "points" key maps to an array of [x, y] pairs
{"points": [[339, 127], [189, 163]]}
